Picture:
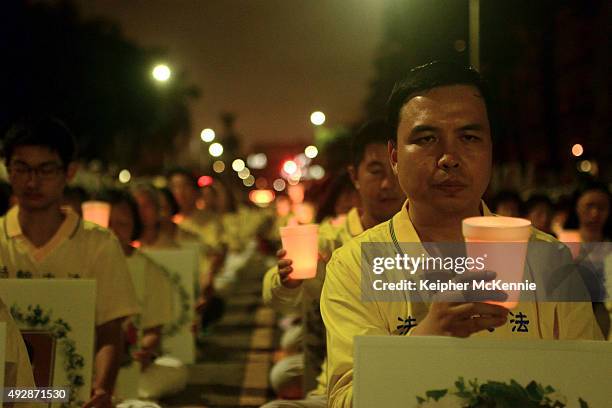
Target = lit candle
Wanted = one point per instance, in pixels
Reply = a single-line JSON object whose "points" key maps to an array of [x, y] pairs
{"points": [[301, 244], [97, 212]]}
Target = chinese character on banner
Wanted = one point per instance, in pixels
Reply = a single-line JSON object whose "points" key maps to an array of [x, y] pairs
{"points": [[520, 322], [406, 325]]}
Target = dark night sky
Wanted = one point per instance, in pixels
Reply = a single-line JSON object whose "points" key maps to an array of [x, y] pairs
{"points": [[271, 62]]}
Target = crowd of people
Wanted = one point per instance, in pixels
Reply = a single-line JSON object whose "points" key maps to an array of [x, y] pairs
{"points": [[413, 177]]}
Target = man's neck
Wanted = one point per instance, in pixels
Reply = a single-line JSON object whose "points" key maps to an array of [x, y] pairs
{"points": [[39, 226], [432, 226], [588, 235], [367, 220]]}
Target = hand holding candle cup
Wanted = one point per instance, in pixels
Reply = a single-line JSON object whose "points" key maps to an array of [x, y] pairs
{"points": [[502, 241], [302, 249]]}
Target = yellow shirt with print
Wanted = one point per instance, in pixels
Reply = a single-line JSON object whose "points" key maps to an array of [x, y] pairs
{"points": [[305, 298], [346, 315]]}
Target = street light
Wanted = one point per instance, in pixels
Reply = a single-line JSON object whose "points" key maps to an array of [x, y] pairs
{"points": [[207, 135], [311, 152], [238, 165], [215, 149], [161, 72], [317, 118]]}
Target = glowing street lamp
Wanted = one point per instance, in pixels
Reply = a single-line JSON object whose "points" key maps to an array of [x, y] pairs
{"points": [[311, 152], [238, 165], [317, 118], [215, 149], [161, 73], [290, 167], [207, 135], [577, 150]]}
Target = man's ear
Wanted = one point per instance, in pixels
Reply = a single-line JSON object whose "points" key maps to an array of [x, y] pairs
{"points": [[73, 167], [392, 149], [352, 171]]}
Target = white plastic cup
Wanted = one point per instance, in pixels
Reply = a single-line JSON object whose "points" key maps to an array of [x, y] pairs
{"points": [[502, 242], [301, 244], [97, 212]]}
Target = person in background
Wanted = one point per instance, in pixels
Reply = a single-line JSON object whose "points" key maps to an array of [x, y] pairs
{"points": [[155, 293], [339, 198], [41, 239], [508, 204], [74, 196], [590, 215], [380, 195], [539, 210]]}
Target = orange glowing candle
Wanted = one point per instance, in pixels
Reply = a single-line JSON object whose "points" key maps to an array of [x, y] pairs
{"points": [[301, 244], [97, 212]]}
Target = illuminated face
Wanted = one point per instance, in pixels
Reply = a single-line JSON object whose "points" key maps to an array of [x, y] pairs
{"points": [[121, 222], [380, 193], [593, 208], [37, 177], [442, 155], [146, 208], [183, 191]]}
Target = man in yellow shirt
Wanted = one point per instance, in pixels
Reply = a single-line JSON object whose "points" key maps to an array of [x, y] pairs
{"points": [[39, 239], [442, 156], [380, 197]]}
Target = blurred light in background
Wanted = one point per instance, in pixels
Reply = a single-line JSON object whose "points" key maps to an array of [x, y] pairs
{"points": [[577, 150], [249, 181], [257, 161], [316, 172], [301, 160], [317, 118], [124, 176], [279, 184], [160, 182], [290, 167], [161, 72], [585, 166], [218, 166], [244, 173], [261, 183], [261, 197], [204, 181], [311, 152], [238, 165], [215, 149], [207, 135]]}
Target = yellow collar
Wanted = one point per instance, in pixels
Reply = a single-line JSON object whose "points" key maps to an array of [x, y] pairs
{"points": [[353, 222], [404, 230]]}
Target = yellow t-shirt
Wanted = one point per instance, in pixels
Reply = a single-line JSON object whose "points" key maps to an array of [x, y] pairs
{"points": [[207, 226], [153, 290], [79, 249], [346, 315], [305, 298]]}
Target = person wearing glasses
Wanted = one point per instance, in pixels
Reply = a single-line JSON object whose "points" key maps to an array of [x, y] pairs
{"points": [[41, 239]]}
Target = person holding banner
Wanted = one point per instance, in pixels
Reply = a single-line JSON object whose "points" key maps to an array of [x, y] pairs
{"points": [[442, 156], [381, 197], [41, 239]]}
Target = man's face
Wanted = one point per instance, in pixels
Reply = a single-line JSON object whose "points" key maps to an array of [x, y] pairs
{"points": [[593, 208], [38, 177], [183, 192], [443, 151], [378, 188]]}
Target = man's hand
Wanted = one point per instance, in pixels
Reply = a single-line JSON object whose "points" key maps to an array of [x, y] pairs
{"points": [[284, 269], [99, 399], [145, 357], [451, 315]]}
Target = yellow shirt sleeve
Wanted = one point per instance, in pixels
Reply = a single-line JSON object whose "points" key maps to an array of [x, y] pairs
{"points": [[280, 298], [345, 316], [115, 296]]}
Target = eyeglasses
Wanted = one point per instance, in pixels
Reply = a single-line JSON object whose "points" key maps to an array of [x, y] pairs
{"points": [[45, 172]]}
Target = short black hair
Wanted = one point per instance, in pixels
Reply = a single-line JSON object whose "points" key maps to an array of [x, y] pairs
{"points": [[375, 131], [188, 174], [41, 130], [572, 221], [505, 196], [433, 75], [115, 196], [537, 199]]}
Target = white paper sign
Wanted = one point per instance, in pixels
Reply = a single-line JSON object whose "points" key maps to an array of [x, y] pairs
{"points": [[57, 320], [391, 371], [184, 263]]}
